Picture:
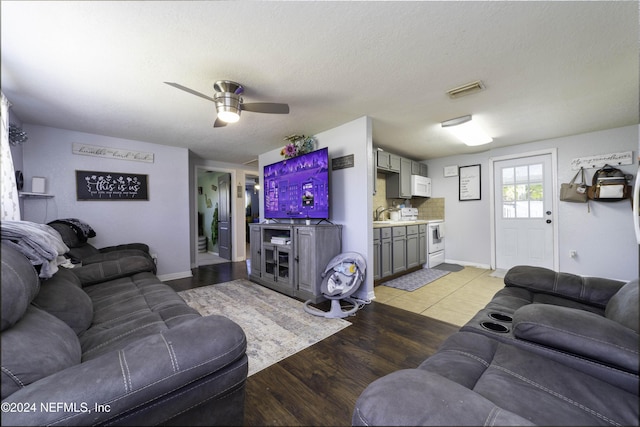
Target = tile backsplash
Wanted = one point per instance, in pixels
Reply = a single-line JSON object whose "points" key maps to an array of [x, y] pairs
{"points": [[431, 208]]}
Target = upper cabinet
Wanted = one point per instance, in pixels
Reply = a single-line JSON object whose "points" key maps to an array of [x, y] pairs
{"points": [[418, 168], [399, 185], [388, 162]]}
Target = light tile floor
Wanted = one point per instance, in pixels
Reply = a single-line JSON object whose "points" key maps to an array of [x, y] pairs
{"points": [[454, 298]]}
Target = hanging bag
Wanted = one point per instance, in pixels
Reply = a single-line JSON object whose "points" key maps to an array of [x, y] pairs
{"points": [[609, 184], [575, 192]]}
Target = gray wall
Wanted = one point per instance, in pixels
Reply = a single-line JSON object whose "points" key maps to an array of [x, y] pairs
{"points": [[603, 238], [162, 221]]}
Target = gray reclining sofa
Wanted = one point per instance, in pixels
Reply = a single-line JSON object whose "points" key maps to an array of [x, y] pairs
{"points": [[549, 349], [109, 343]]}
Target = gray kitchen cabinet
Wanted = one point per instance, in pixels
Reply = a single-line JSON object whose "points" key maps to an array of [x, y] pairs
{"points": [[292, 258], [399, 250], [376, 254], [388, 162], [422, 243], [399, 185], [418, 168], [413, 251], [386, 247]]}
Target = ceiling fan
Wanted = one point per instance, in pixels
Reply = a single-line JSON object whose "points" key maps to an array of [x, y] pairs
{"points": [[229, 103]]}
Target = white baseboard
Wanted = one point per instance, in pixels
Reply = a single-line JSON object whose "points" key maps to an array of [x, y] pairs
{"points": [[468, 264], [174, 276]]}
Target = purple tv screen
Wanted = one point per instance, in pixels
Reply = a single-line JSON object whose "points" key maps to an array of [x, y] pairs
{"points": [[298, 187]]}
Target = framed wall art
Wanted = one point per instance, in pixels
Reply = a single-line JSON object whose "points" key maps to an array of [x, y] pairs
{"points": [[94, 185], [469, 182]]}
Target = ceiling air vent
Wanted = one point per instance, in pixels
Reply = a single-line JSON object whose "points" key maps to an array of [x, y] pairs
{"points": [[466, 89]]}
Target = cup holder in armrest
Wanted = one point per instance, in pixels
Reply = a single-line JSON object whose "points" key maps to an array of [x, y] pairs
{"points": [[501, 317], [495, 327]]}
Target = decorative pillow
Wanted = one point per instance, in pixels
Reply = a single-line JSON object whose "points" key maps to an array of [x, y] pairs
{"points": [[81, 229], [63, 297], [37, 346]]}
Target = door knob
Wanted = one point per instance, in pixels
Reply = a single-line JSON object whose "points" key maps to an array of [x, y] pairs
{"points": [[548, 212], [548, 221]]}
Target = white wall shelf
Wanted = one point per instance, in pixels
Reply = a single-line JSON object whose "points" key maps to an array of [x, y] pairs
{"points": [[29, 195]]}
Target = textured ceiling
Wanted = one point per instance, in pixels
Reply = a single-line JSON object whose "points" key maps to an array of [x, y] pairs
{"points": [[550, 69]]}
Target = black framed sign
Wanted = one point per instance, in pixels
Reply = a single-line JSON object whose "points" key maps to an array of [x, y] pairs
{"points": [[94, 185], [469, 182]]}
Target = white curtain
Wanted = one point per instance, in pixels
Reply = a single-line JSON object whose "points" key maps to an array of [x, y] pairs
{"points": [[9, 203]]}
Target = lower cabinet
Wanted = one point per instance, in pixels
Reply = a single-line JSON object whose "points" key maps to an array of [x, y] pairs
{"points": [[292, 258], [399, 248]]}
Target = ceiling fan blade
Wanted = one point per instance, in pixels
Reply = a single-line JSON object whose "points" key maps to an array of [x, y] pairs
{"points": [[191, 91], [266, 107], [219, 123]]}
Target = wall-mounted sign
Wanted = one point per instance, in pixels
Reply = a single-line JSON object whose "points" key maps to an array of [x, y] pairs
{"points": [[111, 153], [469, 182], [342, 162], [450, 170], [611, 159], [92, 185]]}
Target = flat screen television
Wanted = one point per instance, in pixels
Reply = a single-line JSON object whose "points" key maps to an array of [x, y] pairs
{"points": [[298, 188]]}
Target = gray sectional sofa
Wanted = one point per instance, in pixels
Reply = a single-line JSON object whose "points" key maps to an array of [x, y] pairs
{"points": [[109, 343], [549, 349]]}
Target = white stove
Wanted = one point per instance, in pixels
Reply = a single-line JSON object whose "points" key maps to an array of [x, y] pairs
{"points": [[435, 243]]}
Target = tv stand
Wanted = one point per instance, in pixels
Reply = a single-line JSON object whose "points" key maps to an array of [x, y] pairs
{"points": [[290, 258]]}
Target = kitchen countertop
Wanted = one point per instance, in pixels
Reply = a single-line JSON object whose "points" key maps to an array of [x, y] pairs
{"points": [[381, 224]]}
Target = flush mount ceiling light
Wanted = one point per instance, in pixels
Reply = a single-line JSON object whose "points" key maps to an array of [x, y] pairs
{"points": [[467, 131], [466, 89]]}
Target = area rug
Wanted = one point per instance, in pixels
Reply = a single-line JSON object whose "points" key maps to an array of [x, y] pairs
{"points": [[449, 267], [415, 280], [276, 326]]}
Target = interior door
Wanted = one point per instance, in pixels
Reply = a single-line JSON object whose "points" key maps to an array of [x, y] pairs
{"points": [[524, 229], [224, 216]]}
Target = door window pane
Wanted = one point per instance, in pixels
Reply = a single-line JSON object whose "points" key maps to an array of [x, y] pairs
{"points": [[522, 191]]}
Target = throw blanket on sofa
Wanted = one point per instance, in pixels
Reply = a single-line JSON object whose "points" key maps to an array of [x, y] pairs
{"points": [[40, 243], [81, 228]]}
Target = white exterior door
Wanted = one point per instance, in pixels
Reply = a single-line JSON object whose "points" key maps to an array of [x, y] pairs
{"points": [[523, 212]]}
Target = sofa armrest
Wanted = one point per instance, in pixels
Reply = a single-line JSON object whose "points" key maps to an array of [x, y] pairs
{"points": [[579, 333], [144, 372], [402, 399], [138, 246], [111, 269], [590, 290]]}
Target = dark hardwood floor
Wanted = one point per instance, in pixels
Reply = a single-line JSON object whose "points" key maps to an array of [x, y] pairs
{"points": [[319, 385]]}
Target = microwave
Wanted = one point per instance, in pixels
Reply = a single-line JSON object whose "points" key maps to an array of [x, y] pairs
{"points": [[420, 186]]}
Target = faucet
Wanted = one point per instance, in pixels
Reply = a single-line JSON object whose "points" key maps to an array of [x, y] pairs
{"points": [[380, 212]]}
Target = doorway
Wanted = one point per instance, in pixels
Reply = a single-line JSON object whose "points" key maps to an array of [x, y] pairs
{"points": [[212, 203], [524, 206]]}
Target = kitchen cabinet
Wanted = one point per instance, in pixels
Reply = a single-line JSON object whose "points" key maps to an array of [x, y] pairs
{"points": [[386, 248], [388, 162], [292, 258], [399, 250], [376, 254], [399, 185], [412, 241], [418, 168], [422, 243]]}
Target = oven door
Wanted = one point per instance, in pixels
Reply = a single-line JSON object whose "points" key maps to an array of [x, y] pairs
{"points": [[435, 237]]}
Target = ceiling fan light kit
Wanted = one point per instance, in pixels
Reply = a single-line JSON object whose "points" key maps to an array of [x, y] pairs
{"points": [[229, 103], [228, 106], [467, 131]]}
